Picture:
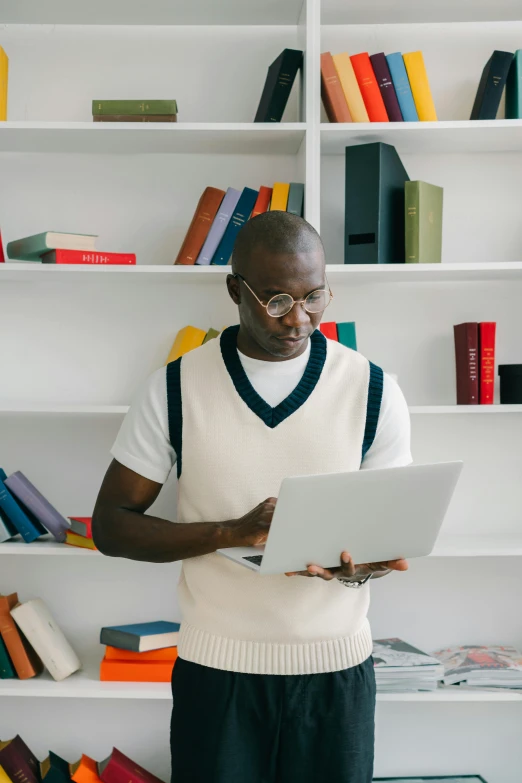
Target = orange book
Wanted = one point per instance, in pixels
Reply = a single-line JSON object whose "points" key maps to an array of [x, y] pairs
{"points": [[25, 661], [332, 92], [85, 771], [166, 654], [129, 671], [370, 90], [204, 215], [263, 201]]}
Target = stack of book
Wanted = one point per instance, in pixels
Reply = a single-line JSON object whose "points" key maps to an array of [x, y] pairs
{"points": [[142, 652], [80, 533], [30, 639], [482, 666], [187, 339], [475, 362], [25, 511], [376, 88], [18, 762], [344, 333], [402, 668], [503, 69], [219, 216], [54, 247], [135, 111]]}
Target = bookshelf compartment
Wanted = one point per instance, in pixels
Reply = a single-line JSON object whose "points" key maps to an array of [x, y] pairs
{"points": [[383, 12]]}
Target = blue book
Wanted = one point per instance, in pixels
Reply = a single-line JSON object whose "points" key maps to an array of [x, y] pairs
{"points": [[28, 527], [242, 212], [218, 227], [141, 637], [402, 87]]}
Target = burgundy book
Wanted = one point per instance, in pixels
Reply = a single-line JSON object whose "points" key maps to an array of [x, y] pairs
{"points": [[385, 82], [204, 215], [31, 498], [118, 768], [18, 762], [467, 363]]}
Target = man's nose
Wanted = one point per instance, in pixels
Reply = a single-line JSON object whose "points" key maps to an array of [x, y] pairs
{"points": [[297, 317]]}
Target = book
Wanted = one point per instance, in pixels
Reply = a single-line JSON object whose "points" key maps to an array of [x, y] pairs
{"points": [[491, 86], [481, 666], [434, 779], [54, 769], [141, 637], [280, 194], [370, 90], [120, 769], [135, 107], [28, 526], [467, 363], [84, 257], [163, 654], [82, 526], [332, 93], [384, 80], [218, 227], [132, 671], [239, 217], [423, 223], [346, 334], [487, 331], [85, 770], [7, 671], [401, 667], [374, 205], [296, 199], [204, 215], [18, 761], [7, 529], [210, 335], [420, 86], [4, 778], [329, 329], [46, 637], [73, 539], [33, 500], [135, 118], [278, 86], [350, 87], [2, 256], [514, 88], [34, 247], [4, 75], [23, 657], [402, 87], [263, 201], [186, 340]]}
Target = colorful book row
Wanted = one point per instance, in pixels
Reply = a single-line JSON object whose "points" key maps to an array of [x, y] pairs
{"points": [[54, 247]]}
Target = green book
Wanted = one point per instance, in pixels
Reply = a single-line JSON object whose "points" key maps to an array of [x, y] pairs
{"points": [[134, 107], [54, 769], [295, 199], [423, 216], [346, 334], [514, 88], [34, 247], [210, 335], [7, 671]]}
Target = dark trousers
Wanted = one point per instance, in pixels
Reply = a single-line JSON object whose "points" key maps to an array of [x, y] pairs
{"points": [[256, 728]]}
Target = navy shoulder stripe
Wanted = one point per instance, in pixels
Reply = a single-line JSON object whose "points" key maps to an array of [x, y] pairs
{"points": [[175, 410], [373, 406]]}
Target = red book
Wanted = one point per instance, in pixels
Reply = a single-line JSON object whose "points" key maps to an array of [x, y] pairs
{"points": [[262, 201], [370, 90], [467, 363], [2, 257], [87, 257], [204, 215], [487, 331], [82, 526], [18, 762], [120, 769], [329, 329], [332, 92]]}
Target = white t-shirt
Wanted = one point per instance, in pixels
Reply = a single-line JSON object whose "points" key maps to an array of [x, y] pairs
{"points": [[143, 443]]}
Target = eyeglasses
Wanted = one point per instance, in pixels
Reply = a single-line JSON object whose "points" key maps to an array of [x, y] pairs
{"points": [[281, 304]]}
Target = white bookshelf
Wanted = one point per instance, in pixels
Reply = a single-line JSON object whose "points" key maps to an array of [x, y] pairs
{"points": [[77, 341]]}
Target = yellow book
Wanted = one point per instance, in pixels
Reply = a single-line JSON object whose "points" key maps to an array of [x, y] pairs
{"points": [[280, 196], [4, 68], [420, 86], [73, 539], [4, 777], [186, 340], [350, 85]]}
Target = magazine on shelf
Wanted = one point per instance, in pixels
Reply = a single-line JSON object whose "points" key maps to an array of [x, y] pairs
{"points": [[495, 666]]}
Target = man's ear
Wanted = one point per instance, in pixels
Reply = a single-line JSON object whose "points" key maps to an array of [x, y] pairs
{"points": [[233, 289]]}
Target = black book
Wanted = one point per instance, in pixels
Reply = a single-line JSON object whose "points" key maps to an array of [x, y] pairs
{"points": [[491, 86], [278, 86]]}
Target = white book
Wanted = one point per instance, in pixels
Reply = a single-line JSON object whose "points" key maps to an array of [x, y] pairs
{"points": [[36, 622]]}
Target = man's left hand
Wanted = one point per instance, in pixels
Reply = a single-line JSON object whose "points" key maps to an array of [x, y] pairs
{"points": [[348, 570]]}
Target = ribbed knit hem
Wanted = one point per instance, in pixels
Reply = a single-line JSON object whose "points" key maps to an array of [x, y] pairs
{"points": [[236, 655]]}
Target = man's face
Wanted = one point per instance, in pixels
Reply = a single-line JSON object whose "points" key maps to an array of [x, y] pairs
{"points": [[269, 274]]}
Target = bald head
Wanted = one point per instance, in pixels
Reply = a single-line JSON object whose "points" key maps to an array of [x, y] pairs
{"points": [[274, 233]]}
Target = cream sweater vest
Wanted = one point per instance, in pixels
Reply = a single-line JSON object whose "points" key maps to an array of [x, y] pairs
{"points": [[233, 452]]}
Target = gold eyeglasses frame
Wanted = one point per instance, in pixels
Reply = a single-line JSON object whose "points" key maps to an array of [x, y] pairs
{"points": [[294, 301]]}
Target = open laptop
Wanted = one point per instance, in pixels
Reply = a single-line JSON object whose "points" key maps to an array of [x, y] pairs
{"points": [[375, 515]]}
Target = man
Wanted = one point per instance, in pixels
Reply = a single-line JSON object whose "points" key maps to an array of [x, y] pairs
{"points": [[274, 682]]}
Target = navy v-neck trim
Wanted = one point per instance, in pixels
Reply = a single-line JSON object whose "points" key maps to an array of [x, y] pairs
{"points": [[273, 416]]}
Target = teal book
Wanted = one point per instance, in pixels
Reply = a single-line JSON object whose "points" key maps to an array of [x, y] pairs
{"points": [[28, 526], [402, 87], [7, 529], [514, 88], [54, 769], [141, 637], [346, 334], [295, 199], [7, 671], [242, 212], [34, 247], [135, 107], [423, 222]]}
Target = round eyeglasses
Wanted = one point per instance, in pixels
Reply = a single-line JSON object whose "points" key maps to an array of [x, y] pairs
{"points": [[281, 304]]}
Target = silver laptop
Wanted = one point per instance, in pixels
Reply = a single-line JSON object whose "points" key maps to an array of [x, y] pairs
{"points": [[375, 515]]}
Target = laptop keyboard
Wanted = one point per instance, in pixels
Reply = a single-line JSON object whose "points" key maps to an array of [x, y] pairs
{"points": [[254, 559]]}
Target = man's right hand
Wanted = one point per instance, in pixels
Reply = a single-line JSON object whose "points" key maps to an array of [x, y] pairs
{"points": [[252, 529]]}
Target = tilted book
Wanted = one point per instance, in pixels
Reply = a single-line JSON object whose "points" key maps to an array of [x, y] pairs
{"points": [[491, 86], [54, 769], [350, 87], [218, 227], [27, 525], [25, 660], [18, 761], [263, 201], [39, 506], [186, 340], [200, 224], [278, 86], [420, 86], [402, 87], [370, 90], [118, 768], [7, 529], [332, 94], [242, 212], [82, 526], [85, 770], [7, 671]]}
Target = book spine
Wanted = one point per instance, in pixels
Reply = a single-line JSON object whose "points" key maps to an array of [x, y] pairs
{"points": [[369, 88], [350, 87], [491, 86], [28, 529], [218, 226], [135, 118], [467, 363], [7, 671], [84, 257], [347, 334], [24, 659], [402, 87], [4, 75], [278, 86], [263, 201], [384, 80], [420, 86], [513, 89], [39, 506], [329, 329], [296, 199], [204, 215], [280, 194], [487, 333], [411, 217], [19, 764], [165, 654], [332, 93], [130, 671], [134, 107], [241, 214]]}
